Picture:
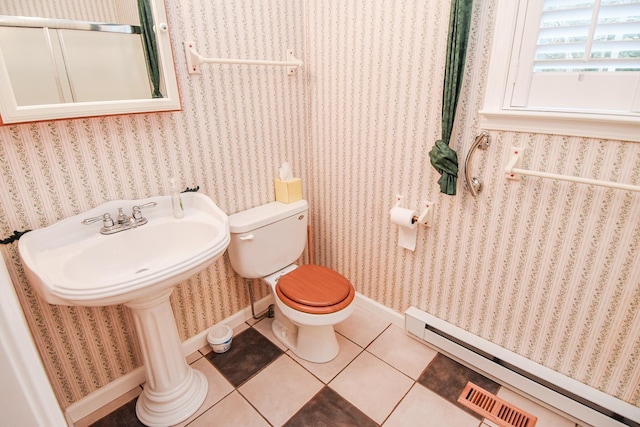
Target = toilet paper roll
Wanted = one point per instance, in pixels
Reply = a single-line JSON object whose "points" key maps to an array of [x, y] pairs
{"points": [[408, 230]]}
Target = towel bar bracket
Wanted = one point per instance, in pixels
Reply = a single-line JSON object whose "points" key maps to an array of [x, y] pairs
{"points": [[515, 162]]}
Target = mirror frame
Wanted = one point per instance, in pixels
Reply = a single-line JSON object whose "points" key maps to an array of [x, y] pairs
{"points": [[10, 112]]}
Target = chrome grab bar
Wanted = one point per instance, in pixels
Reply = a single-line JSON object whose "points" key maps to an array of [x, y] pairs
{"points": [[474, 184]]}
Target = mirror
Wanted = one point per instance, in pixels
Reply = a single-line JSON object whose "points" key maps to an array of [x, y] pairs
{"points": [[64, 59]]}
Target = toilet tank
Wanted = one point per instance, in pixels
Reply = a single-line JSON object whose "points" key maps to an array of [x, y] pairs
{"points": [[267, 238]]}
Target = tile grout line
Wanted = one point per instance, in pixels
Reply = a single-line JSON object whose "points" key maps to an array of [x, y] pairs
{"points": [[327, 384], [360, 350]]}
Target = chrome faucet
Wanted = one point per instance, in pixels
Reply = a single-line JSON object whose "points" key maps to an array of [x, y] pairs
{"points": [[123, 221], [122, 218]]}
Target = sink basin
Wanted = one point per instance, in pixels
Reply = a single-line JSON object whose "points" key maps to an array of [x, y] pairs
{"points": [[73, 264]]}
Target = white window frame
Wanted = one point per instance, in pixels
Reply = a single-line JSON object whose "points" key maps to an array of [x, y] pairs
{"points": [[498, 115]]}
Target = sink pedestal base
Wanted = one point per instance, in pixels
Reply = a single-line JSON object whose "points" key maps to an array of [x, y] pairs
{"points": [[174, 390]]}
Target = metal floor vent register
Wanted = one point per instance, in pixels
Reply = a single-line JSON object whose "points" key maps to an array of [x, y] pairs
{"points": [[493, 408]]}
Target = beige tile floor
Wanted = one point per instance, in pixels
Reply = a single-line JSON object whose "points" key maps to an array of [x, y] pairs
{"points": [[376, 371]]}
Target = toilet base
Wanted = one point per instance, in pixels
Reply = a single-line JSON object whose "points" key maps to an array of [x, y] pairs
{"points": [[316, 344], [309, 336]]}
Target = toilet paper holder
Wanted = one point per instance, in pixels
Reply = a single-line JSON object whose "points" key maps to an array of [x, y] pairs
{"points": [[426, 215]]}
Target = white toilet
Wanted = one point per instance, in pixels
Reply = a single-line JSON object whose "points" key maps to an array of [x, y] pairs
{"points": [[310, 299]]}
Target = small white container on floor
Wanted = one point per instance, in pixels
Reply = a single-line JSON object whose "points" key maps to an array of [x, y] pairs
{"points": [[219, 338]]}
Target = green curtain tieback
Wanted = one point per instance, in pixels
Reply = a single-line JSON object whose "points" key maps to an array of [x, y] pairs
{"points": [[445, 161]]}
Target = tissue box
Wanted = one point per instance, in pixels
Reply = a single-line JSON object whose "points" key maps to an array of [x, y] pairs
{"points": [[288, 191]]}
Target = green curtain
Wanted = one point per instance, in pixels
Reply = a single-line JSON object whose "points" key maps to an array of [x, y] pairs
{"points": [[443, 158], [150, 47]]}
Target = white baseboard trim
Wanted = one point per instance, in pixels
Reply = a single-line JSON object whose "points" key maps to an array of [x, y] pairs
{"points": [[536, 382], [380, 310], [133, 379]]}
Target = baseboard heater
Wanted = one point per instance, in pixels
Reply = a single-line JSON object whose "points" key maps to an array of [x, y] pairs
{"points": [[552, 389]]}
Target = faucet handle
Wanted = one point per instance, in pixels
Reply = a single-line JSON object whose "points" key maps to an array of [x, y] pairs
{"points": [[107, 221], [91, 220], [148, 205], [137, 210]]}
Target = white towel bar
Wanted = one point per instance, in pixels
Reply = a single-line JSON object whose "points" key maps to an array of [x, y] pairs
{"points": [[514, 171], [194, 59]]}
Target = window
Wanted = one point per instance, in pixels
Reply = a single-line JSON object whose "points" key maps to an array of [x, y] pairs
{"points": [[566, 67]]}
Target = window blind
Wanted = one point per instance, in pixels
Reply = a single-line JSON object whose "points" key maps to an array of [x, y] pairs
{"points": [[588, 35]]}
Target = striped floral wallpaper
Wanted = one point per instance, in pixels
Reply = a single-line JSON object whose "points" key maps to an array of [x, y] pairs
{"points": [[238, 124], [547, 269]]}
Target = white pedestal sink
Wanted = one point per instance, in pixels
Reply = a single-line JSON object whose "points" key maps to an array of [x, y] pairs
{"points": [[174, 390], [69, 263]]}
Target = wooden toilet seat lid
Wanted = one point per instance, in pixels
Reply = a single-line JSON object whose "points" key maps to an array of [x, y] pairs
{"points": [[315, 289]]}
